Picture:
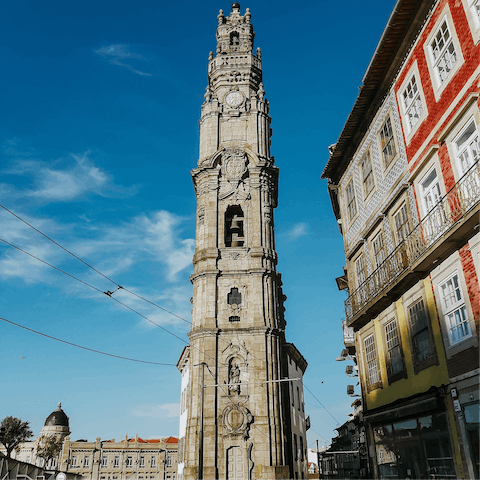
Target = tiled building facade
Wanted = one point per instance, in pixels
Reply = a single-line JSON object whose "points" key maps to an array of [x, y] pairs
{"points": [[404, 182]]}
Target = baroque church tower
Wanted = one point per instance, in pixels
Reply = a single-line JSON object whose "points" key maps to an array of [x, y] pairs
{"points": [[243, 413]]}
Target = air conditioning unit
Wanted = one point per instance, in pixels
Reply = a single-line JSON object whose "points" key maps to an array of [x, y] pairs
{"points": [[349, 370], [350, 390]]}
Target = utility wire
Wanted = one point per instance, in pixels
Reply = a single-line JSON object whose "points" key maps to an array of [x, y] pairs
{"points": [[319, 434], [85, 348], [91, 286], [58, 245], [120, 287], [338, 423], [106, 293]]}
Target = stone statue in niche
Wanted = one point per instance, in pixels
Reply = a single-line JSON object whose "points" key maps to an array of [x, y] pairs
{"points": [[234, 378]]}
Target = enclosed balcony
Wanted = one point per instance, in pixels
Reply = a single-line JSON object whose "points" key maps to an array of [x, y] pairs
{"points": [[445, 229]]}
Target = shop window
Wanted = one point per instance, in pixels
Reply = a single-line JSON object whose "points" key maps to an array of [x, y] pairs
{"points": [[423, 351], [454, 310], [415, 448], [234, 227]]}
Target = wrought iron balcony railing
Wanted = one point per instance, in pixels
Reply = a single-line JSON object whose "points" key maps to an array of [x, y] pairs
{"points": [[448, 212]]}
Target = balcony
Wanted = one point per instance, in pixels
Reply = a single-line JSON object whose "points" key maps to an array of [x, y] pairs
{"points": [[446, 228]]}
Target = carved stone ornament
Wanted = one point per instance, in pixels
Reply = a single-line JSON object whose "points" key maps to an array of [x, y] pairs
{"points": [[236, 420], [234, 163]]}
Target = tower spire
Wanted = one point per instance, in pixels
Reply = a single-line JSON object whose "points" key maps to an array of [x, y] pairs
{"points": [[238, 398]]}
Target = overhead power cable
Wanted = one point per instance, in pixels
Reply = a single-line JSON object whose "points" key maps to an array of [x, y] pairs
{"points": [[338, 423], [109, 294], [94, 288], [85, 348]]}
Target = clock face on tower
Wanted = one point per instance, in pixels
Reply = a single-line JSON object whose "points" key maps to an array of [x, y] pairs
{"points": [[234, 99]]}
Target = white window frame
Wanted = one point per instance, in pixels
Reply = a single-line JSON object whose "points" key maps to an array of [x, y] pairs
{"points": [[86, 461], [153, 461], [433, 60], [141, 463], [470, 149], [450, 310], [105, 461], [471, 10], [116, 461], [431, 194], [74, 463], [419, 97], [129, 461]]}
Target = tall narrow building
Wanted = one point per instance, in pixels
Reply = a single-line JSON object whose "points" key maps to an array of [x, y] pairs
{"points": [[242, 394]]}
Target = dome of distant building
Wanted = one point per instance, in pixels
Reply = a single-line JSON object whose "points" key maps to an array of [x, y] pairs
{"points": [[57, 418]]}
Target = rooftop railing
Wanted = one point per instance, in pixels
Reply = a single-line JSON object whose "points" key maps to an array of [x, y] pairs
{"points": [[448, 212]]}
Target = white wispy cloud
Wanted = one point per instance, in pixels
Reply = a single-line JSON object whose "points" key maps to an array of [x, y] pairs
{"points": [[120, 54], [118, 251], [297, 231], [80, 177], [167, 410]]}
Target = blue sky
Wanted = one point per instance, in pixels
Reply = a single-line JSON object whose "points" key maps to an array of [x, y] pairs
{"points": [[99, 132]]}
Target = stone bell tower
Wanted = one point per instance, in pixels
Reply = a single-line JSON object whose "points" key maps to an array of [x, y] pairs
{"points": [[238, 421]]}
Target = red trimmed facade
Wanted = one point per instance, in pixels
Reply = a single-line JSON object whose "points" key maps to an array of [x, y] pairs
{"points": [[450, 103], [404, 182]]}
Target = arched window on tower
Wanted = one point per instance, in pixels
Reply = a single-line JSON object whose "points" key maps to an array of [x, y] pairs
{"points": [[234, 38], [234, 236]]}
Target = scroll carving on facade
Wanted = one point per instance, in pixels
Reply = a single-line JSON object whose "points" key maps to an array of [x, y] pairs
{"points": [[235, 174], [236, 420]]}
